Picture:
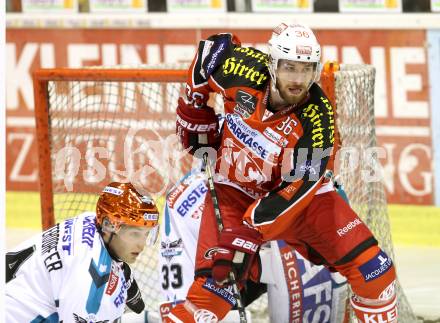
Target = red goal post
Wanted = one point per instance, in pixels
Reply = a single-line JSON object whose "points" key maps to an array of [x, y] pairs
{"points": [[76, 108]]}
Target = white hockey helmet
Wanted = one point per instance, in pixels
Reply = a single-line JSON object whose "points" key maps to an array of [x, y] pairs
{"points": [[294, 42]]}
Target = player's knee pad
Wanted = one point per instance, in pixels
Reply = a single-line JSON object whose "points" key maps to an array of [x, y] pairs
{"points": [[205, 299], [370, 273], [372, 278]]}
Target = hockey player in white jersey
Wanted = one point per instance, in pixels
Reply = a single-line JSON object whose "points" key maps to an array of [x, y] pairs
{"points": [[77, 271]]}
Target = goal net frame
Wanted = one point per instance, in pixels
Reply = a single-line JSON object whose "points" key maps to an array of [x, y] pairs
{"points": [[333, 82], [41, 78]]}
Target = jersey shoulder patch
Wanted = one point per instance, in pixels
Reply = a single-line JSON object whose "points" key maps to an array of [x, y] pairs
{"points": [[243, 67], [212, 51]]}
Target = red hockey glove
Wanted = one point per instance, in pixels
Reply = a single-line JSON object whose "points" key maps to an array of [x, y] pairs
{"points": [[237, 249], [197, 128]]}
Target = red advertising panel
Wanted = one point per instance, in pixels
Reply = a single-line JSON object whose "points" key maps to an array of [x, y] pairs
{"points": [[401, 98]]}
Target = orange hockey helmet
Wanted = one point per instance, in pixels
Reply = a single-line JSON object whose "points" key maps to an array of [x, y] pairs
{"points": [[122, 204]]}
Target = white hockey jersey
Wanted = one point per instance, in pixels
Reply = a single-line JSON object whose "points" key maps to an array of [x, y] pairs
{"points": [[66, 274], [179, 232]]}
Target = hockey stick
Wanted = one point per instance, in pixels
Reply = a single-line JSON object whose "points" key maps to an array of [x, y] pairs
{"points": [[218, 217]]}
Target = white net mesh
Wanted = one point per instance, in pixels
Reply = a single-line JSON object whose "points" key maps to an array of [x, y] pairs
{"points": [[113, 131], [359, 166], [102, 131]]}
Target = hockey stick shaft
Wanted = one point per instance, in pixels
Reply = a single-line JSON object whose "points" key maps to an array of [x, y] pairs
{"points": [[218, 217]]}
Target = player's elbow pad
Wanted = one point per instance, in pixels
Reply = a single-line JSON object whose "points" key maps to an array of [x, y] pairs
{"points": [[197, 128]]}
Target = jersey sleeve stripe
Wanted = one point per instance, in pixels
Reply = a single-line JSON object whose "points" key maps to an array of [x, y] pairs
{"points": [[196, 80]]}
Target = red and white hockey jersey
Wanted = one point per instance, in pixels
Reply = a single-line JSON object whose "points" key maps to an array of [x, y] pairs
{"points": [[277, 158]]}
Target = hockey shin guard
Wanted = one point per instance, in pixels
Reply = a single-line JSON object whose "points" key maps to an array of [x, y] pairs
{"points": [[375, 310]]}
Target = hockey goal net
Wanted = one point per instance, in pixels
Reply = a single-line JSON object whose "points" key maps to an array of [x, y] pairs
{"points": [[97, 125]]}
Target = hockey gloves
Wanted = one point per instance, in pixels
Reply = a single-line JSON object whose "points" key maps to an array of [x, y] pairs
{"points": [[197, 128], [236, 251]]}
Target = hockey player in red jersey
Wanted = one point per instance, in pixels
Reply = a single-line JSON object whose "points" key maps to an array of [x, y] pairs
{"points": [[277, 141]]}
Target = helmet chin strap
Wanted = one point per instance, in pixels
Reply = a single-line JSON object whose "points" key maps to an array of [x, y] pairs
{"points": [[110, 250], [273, 76], [107, 244], [275, 95], [275, 90]]}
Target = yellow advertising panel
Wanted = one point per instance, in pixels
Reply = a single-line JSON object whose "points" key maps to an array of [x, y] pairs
{"points": [[48, 6], [196, 6], [370, 5], [282, 5], [122, 6]]}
